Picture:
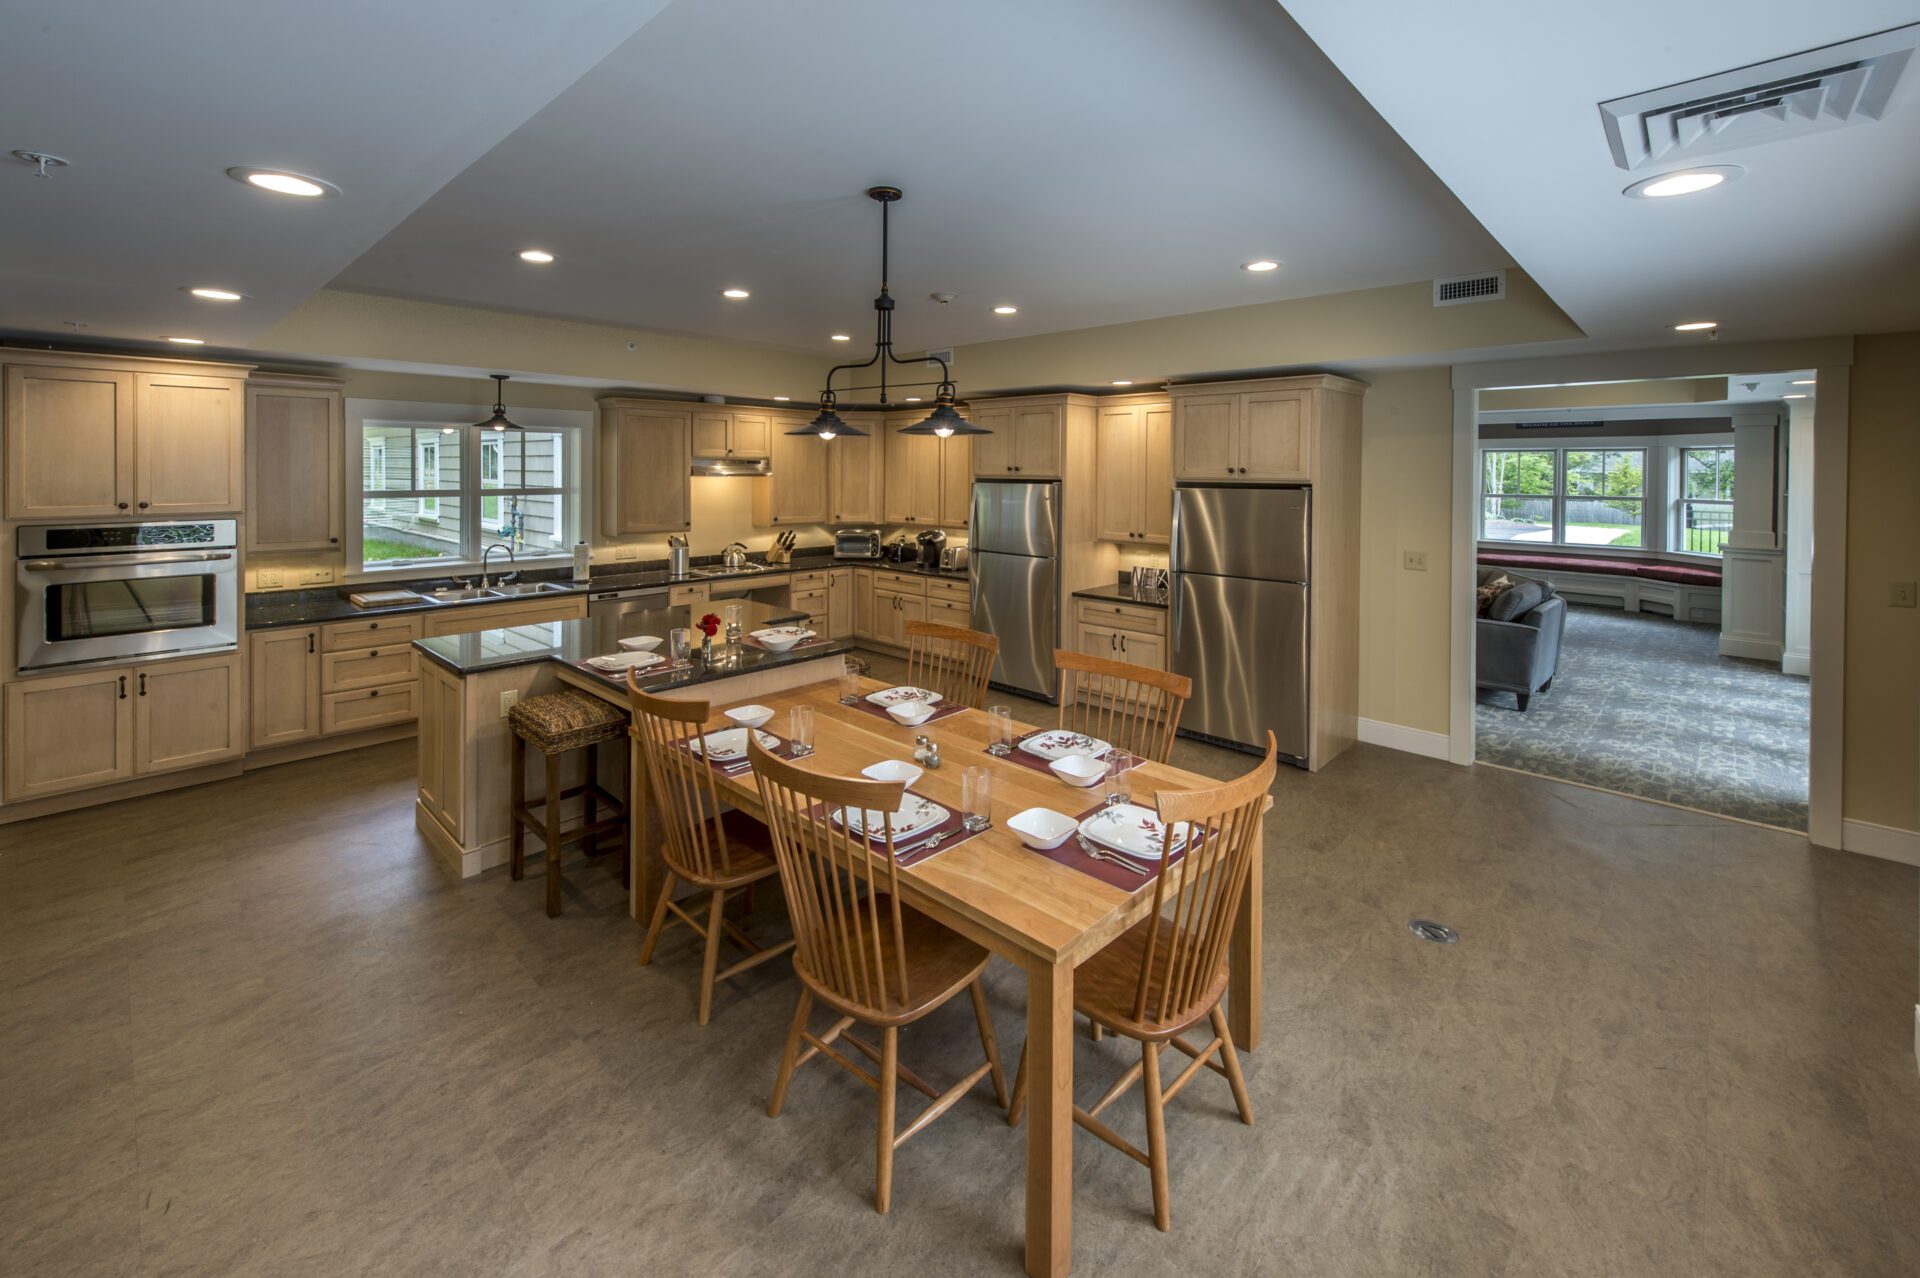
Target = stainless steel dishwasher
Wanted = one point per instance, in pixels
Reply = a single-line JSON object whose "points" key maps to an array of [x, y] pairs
{"points": [[619, 603]]}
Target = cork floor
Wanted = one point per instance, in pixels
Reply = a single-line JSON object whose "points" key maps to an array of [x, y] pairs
{"points": [[254, 1028]]}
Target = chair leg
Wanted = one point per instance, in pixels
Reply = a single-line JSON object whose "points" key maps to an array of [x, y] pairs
{"points": [[1018, 1105], [889, 1079], [516, 800], [988, 1043], [785, 1077], [591, 844], [1231, 1059], [1156, 1134], [711, 963], [1520, 699], [659, 921], [552, 813]]}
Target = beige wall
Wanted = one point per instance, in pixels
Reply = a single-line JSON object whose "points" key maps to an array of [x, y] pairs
{"points": [[1406, 503], [1883, 546], [1673, 390]]}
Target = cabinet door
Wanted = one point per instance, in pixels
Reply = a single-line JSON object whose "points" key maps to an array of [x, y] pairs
{"points": [[865, 614], [799, 479], [1273, 432], [913, 468], [295, 454], [1116, 463], [926, 457], [712, 434], [993, 455], [1156, 475], [69, 442], [189, 444], [1142, 649], [68, 732], [948, 612], [956, 481], [840, 603], [1036, 442], [283, 686], [855, 477], [752, 435], [1097, 641], [1206, 436], [187, 713], [647, 474]]}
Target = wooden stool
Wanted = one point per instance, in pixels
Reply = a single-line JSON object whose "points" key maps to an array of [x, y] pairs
{"points": [[555, 724]]}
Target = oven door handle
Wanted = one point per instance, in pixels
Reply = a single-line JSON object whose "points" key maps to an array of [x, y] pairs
{"points": [[131, 561]]}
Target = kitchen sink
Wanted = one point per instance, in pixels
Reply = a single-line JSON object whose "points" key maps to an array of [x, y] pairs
{"points": [[713, 571], [461, 595], [521, 589]]}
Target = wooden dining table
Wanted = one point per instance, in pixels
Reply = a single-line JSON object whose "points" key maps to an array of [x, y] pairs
{"points": [[1037, 913]]}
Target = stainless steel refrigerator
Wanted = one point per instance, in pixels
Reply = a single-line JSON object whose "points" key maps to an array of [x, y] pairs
{"points": [[1013, 558], [1240, 599]]}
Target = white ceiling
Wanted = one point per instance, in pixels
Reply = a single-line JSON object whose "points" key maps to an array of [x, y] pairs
{"points": [[1500, 97], [1090, 161], [152, 102]]}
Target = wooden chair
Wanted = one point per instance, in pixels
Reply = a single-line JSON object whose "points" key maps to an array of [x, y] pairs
{"points": [[950, 660], [863, 954], [1137, 708], [1167, 973], [708, 850]]}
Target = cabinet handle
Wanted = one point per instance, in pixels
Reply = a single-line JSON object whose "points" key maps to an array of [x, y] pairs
{"points": [[143, 683], [374, 693], [334, 540], [373, 652], [1111, 645], [122, 505], [309, 645], [1123, 643], [123, 687]]}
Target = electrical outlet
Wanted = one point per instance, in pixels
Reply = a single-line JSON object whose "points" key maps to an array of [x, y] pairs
{"points": [[320, 576], [269, 579], [507, 699], [626, 552], [1413, 560], [1900, 594]]}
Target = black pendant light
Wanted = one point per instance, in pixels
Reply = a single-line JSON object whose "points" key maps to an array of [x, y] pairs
{"points": [[499, 419], [946, 419]]}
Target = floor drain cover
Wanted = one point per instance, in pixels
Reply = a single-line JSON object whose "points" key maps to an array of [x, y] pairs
{"points": [[1428, 930]]}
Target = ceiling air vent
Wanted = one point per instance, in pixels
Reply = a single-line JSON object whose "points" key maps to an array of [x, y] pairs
{"points": [[1557, 425], [1461, 289], [1811, 92], [947, 355]]}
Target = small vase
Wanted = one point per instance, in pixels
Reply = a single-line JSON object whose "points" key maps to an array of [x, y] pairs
{"points": [[706, 649]]}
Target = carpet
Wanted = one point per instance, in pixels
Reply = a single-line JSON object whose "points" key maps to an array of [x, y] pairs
{"points": [[1648, 707]]}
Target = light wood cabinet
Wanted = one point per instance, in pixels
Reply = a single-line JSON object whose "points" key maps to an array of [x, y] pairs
{"points": [[443, 763], [371, 632], [856, 473], [296, 459], [283, 694], [367, 668], [956, 481], [913, 476], [949, 603], [188, 714], [69, 443], [646, 468], [1027, 440], [1121, 632], [796, 491], [741, 435], [68, 732], [897, 599], [865, 616], [467, 618], [189, 444], [369, 708], [1134, 468], [840, 602], [1254, 435]]}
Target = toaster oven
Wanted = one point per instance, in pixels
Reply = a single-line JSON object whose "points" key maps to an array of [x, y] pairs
{"points": [[856, 543]]}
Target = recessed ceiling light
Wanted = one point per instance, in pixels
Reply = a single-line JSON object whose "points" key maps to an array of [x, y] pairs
{"points": [[1261, 264], [1796, 395], [1694, 326], [539, 257], [1683, 182], [737, 294], [783, 398], [913, 399], [187, 341], [842, 337], [281, 182], [217, 294], [1006, 310], [1123, 383], [1803, 381]]}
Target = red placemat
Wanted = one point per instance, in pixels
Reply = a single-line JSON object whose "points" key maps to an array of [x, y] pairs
{"points": [[1038, 764], [1070, 855], [952, 831], [619, 677], [946, 711]]}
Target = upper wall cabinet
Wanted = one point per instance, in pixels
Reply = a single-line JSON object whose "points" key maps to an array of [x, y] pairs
{"points": [[646, 467], [796, 491], [1027, 439], [856, 472], [98, 436], [1244, 435], [296, 457], [741, 434], [929, 480], [1133, 448]]}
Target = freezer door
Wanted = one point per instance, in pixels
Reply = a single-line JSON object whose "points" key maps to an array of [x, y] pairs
{"points": [[1244, 645], [1013, 597], [1016, 518], [1241, 532]]}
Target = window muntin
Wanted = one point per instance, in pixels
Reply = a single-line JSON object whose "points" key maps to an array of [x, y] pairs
{"points": [[1706, 499], [418, 498]]}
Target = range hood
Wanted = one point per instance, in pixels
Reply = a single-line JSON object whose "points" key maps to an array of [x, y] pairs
{"points": [[720, 467]]}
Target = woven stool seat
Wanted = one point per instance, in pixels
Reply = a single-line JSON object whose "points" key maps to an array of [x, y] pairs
{"points": [[562, 721]]}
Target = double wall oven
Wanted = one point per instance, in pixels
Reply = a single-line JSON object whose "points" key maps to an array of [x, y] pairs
{"points": [[91, 594]]}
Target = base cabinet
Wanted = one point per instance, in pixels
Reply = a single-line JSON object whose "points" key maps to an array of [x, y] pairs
{"points": [[1121, 632], [283, 694], [188, 714], [840, 603]]}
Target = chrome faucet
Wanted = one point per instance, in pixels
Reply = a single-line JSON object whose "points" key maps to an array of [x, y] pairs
{"points": [[487, 554]]}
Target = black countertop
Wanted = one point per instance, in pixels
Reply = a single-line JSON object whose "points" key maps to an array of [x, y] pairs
{"points": [[1123, 593]]}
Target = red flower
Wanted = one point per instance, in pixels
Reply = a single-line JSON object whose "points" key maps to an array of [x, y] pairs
{"points": [[709, 625]]}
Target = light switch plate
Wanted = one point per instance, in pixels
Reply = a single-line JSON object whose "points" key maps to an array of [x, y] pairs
{"points": [[1414, 560], [1900, 594], [626, 552], [507, 699], [270, 578]]}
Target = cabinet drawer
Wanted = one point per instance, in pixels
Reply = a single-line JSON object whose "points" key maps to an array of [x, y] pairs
{"points": [[338, 636], [952, 592], [685, 596], [369, 707], [809, 581], [901, 583], [1149, 621], [814, 601], [366, 668]]}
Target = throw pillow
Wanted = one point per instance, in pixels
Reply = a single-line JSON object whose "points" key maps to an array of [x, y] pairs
{"points": [[1517, 600], [1488, 590]]}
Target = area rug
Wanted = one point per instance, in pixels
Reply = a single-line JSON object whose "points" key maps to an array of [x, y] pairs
{"points": [[1648, 707]]}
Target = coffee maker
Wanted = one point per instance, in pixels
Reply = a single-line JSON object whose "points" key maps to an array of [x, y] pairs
{"points": [[932, 542]]}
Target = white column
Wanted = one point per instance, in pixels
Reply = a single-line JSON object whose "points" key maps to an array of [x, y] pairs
{"points": [[1752, 563], [1796, 659]]}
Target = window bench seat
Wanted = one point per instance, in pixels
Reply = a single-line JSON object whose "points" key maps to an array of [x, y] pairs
{"points": [[1685, 592]]}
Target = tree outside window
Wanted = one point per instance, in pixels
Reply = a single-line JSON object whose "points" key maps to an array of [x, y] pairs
{"points": [[1517, 494], [1605, 492]]}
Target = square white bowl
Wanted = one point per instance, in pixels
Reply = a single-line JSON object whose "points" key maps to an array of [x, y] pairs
{"points": [[911, 713], [1078, 769], [1042, 829], [892, 770], [640, 643], [750, 716], [781, 638]]}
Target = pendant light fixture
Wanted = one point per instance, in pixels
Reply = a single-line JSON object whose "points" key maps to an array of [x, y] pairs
{"points": [[499, 419], [946, 419]]}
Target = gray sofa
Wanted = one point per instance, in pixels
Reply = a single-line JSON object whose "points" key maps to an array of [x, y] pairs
{"points": [[1518, 641]]}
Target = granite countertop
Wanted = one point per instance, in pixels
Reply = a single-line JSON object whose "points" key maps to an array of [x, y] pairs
{"points": [[570, 642], [1123, 593]]}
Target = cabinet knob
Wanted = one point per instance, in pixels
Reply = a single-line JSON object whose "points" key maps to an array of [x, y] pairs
{"points": [[334, 540], [143, 505], [373, 625], [373, 652], [374, 693], [122, 505]]}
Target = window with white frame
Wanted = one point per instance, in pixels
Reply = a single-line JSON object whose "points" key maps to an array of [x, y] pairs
{"points": [[1705, 508], [1563, 496]]}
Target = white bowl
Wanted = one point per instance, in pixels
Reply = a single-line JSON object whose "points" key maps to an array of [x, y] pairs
{"points": [[1078, 769], [892, 770], [911, 713], [781, 638], [750, 716], [1042, 829], [640, 643]]}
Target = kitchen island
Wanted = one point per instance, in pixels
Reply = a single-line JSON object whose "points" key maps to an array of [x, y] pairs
{"points": [[468, 681]]}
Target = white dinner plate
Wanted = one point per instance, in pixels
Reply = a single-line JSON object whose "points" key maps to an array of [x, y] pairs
{"points": [[901, 695], [916, 816], [626, 661], [1132, 830], [729, 744], [1058, 745]]}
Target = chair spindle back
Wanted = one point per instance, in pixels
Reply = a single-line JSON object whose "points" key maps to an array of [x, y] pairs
{"points": [[950, 660], [1137, 708], [682, 783]]}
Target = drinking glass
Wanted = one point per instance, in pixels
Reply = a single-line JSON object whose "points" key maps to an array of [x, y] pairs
{"points": [[849, 683], [800, 730], [731, 614], [976, 799], [680, 643], [1118, 787], [999, 730]]}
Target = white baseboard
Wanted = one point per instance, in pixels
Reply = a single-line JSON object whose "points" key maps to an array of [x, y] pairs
{"points": [[1433, 745], [1756, 649], [1883, 841], [1797, 662]]}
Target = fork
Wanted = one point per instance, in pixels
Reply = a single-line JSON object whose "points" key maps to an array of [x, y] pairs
{"points": [[1099, 853]]}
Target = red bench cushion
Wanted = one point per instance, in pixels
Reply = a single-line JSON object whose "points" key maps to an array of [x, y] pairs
{"points": [[1658, 569]]}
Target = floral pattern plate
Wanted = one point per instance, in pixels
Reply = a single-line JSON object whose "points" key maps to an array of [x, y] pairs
{"points": [[618, 661], [901, 695], [730, 744], [1131, 830], [1058, 745], [916, 816], [779, 633]]}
